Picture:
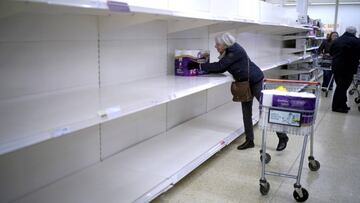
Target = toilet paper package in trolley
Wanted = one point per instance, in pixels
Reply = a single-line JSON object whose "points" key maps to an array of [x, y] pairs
{"points": [[182, 58], [301, 101]]}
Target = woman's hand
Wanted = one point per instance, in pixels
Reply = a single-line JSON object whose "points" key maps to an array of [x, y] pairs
{"points": [[193, 65]]}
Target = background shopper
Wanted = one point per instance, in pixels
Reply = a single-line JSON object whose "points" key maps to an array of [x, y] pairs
{"points": [[324, 51], [345, 52]]}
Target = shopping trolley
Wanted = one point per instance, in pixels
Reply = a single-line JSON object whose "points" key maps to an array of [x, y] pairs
{"points": [[302, 123], [324, 63], [355, 87]]}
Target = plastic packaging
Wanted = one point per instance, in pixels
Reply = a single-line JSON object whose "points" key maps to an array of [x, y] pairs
{"points": [[183, 57]]}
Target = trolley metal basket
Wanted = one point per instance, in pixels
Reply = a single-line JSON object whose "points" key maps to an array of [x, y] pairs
{"points": [[355, 87], [303, 125]]}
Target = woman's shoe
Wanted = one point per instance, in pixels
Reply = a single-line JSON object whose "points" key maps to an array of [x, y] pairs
{"points": [[282, 144], [246, 144]]}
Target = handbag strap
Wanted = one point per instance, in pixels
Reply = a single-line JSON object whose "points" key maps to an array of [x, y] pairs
{"points": [[248, 60]]}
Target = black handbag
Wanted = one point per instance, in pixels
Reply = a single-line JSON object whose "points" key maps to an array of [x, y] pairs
{"points": [[241, 90]]}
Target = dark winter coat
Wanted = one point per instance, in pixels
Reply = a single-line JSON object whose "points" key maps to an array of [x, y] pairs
{"points": [[345, 52], [235, 62], [325, 47]]}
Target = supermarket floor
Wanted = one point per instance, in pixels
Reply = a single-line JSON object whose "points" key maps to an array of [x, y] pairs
{"points": [[233, 176]]}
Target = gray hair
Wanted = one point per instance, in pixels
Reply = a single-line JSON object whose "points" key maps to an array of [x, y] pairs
{"points": [[351, 30], [225, 38]]}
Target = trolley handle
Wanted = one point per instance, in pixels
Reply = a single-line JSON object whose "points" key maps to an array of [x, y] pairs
{"points": [[291, 81]]}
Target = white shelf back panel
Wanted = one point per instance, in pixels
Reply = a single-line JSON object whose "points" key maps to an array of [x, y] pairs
{"points": [[38, 58], [41, 67], [271, 12], [186, 108], [33, 167], [270, 45], [221, 8], [28, 26], [127, 131], [195, 33], [249, 9], [132, 27], [129, 60], [218, 96], [134, 53]]}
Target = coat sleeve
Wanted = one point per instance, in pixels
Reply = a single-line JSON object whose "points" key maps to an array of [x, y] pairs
{"points": [[322, 47], [222, 65]]}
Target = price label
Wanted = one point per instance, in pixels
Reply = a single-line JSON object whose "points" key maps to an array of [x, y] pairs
{"points": [[110, 112], [61, 131], [118, 6]]}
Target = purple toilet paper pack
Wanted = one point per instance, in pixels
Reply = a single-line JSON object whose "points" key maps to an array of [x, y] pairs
{"points": [[305, 102], [183, 57]]}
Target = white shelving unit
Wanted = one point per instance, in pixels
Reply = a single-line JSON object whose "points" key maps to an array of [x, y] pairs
{"points": [[298, 50], [126, 120], [295, 72], [199, 15], [40, 118], [151, 167], [292, 37], [104, 104], [312, 48]]}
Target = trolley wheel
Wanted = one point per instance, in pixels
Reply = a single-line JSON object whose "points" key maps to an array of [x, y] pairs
{"points": [[267, 158], [314, 165], [264, 187], [351, 92], [357, 100], [303, 198]]}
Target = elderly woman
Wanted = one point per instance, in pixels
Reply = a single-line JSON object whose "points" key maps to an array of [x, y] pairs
{"points": [[234, 59]]}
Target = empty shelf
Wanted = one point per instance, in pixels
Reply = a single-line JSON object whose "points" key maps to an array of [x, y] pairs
{"points": [[312, 48], [292, 37], [146, 170], [270, 62], [29, 120], [33, 119]]}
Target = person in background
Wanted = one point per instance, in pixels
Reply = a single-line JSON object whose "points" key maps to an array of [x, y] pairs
{"points": [[345, 52], [234, 59], [324, 51]]}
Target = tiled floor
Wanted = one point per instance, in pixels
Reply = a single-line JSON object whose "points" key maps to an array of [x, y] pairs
{"points": [[233, 176]]}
